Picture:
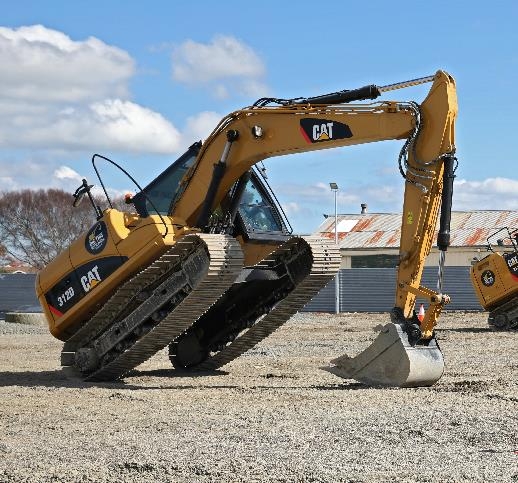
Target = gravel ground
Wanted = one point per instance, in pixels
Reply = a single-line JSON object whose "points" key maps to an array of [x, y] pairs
{"points": [[270, 416]]}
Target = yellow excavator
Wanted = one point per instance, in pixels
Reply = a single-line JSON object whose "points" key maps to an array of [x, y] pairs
{"points": [[495, 279], [205, 261]]}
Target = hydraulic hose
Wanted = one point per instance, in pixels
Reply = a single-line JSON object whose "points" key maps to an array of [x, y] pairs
{"points": [[443, 237]]}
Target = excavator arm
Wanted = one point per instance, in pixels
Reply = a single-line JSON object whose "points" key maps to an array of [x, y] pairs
{"points": [[429, 173]]}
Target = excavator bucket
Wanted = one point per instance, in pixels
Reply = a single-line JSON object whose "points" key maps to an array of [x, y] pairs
{"points": [[392, 361]]}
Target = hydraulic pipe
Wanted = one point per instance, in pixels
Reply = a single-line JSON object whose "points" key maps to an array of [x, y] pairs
{"points": [[366, 92], [340, 97], [217, 175], [443, 237]]}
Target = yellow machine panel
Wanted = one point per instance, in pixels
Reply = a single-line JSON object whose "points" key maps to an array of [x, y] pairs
{"points": [[495, 280], [97, 264]]}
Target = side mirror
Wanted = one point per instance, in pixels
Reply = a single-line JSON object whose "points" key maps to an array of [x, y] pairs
{"points": [[79, 194]]}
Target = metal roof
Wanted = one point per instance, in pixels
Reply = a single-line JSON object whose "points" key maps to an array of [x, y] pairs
{"points": [[382, 230]]}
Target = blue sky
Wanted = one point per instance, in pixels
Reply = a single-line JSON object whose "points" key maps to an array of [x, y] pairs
{"points": [[140, 81]]}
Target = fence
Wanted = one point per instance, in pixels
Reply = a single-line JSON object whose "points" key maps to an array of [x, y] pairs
{"points": [[17, 293], [361, 290], [373, 290]]}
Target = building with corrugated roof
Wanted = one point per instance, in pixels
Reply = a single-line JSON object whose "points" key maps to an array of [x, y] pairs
{"points": [[369, 240]]}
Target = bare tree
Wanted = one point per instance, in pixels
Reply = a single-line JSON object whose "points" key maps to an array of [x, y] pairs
{"points": [[35, 226], [3, 256]]}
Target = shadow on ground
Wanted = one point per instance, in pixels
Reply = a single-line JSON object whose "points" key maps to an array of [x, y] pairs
{"points": [[64, 379]]}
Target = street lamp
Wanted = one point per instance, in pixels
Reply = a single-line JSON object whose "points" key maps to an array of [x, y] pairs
{"points": [[334, 188]]}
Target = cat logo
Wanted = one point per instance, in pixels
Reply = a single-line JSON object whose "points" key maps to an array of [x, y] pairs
{"points": [[321, 130], [91, 279], [512, 261], [511, 258], [488, 278], [96, 238]]}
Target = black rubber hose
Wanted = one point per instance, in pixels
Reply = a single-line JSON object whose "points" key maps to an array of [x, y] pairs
{"points": [[443, 237], [360, 94]]}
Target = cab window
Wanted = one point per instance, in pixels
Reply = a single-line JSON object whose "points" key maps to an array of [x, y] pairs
{"points": [[160, 194], [257, 211]]}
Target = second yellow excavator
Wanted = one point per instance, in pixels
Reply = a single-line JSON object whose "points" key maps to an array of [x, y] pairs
{"points": [[495, 279], [207, 265]]}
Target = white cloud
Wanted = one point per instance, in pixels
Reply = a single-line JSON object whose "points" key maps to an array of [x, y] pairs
{"points": [[7, 183], [108, 124], [388, 197], [132, 127], [221, 92], [316, 193], [200, 126], [69, 179], [489, 185], [64, 95], [65, 172], [43, 65], [223, 59], [254, 88], [291, 208], [124, 125], [488, 194], [24, 172]]}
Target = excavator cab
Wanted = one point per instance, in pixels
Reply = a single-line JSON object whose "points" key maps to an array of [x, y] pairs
{"points": [[259, 216]]}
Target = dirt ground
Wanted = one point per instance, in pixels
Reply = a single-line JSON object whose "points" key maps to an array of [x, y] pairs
{"points": [[270, 416]]}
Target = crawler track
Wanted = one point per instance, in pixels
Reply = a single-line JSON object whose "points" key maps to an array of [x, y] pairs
{"points": [[505, 317], [307, 264], [155, 306]]}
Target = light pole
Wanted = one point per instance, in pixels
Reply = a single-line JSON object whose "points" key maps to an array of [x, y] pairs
{"points": [[334, 189]]}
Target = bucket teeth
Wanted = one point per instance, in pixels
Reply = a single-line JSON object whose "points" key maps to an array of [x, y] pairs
{"points": [[392, 361]]}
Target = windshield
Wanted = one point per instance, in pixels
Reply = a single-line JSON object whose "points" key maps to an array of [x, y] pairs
{"points": [[160, 194], [257, 211]]}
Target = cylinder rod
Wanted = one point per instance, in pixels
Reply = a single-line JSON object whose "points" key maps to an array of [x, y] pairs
{"points": [[408, 83]]}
